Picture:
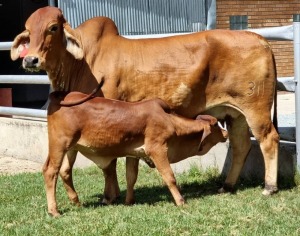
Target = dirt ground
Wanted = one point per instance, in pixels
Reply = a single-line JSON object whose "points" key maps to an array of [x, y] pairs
{"points": [[9, 165]]}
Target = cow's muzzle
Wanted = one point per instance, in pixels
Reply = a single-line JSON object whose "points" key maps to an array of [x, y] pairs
{"points": [[224, 129], [31, 62]]}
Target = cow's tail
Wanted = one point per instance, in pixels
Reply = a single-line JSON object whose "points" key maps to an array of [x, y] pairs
{"points": [[84, 99], [275, 119]]}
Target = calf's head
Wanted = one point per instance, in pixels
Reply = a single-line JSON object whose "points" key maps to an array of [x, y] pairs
{"points": [[45, 38], [218, 133]]}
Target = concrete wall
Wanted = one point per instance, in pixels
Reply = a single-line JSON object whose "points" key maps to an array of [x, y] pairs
{"points": [[27, 139]]}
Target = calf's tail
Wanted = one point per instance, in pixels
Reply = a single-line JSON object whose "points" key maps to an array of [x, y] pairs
{"points": [[84, 99]]}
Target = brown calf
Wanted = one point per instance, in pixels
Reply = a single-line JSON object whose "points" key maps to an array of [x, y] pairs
{"points": [[103, 129]]}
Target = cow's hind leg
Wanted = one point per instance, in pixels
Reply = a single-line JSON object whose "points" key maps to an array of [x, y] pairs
{"points": [[268, 138], [132, 168], [66, 175], [240, 142]]}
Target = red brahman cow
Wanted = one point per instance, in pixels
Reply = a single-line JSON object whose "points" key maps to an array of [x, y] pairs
{"points": [[230, 75], [104, 129]]}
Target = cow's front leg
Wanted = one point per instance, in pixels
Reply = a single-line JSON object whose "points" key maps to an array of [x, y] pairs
{"points": [[66, 175], [240, 142], [111, 188], [132, 168]]}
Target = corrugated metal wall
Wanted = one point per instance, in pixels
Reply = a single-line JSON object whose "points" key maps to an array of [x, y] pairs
{"points": [[136, 17]]}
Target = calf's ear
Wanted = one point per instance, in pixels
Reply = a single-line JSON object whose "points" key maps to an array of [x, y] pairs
{"points": [[206, 132], [74, 45], [19, 45]]}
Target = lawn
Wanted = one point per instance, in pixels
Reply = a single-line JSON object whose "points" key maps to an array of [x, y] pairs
{"points": [[247, 212]]}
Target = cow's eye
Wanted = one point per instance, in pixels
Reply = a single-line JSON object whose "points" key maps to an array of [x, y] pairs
{"points": [[53, 28]]}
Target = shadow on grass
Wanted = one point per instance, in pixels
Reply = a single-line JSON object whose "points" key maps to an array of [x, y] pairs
{"points": [[151, 195], [284, 183]]}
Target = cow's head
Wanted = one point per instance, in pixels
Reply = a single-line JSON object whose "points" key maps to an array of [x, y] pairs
{"points": [[46, 37]]}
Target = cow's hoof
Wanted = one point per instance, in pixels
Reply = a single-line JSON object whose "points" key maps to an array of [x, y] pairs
{"points": [[221, 190], [270, 190], [106, 202], [226, 189]]}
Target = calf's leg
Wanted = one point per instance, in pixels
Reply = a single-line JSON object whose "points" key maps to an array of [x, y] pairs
{"points": [[161, 161], [66, 175], [111, 189], [50, 171]]}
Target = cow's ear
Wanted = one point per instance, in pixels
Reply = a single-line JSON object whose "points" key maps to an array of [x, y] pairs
{"points": [[74, 45], [19, 45]]}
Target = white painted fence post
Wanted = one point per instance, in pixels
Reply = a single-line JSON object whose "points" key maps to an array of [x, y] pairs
{"points": [[296, 24]]}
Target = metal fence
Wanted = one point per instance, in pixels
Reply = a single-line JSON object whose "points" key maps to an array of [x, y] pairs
{"points": [[145, 16], [23, 79]]}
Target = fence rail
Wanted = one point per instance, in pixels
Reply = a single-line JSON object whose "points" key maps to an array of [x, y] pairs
{"points": [[24, 79], [24, 112], [4, 46]]}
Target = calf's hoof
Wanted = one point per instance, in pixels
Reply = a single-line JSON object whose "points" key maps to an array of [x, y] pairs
{"points": [[180, 202], [270, 190], [129, 202], [107, 201], [54, 214], [75, 201]]}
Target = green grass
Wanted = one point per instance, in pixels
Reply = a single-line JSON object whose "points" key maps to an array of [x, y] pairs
{"points": [[247, 212]]}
